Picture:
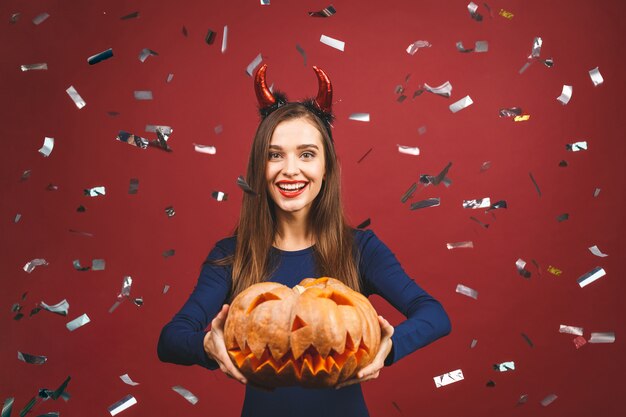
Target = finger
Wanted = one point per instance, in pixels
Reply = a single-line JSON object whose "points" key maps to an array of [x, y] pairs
{"points": [[232, 370], [219, 320]]}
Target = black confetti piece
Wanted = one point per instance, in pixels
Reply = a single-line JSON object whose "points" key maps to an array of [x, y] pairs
{"points": [[363, 157], [363, 225], [527, 339], [535, 183], [132, 15]]}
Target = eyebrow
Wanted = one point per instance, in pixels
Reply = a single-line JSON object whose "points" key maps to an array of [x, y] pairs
{"points": [[304, 146]]}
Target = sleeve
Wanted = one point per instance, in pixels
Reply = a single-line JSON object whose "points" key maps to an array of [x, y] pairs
{"points": [[182, 339], [382, 274]]}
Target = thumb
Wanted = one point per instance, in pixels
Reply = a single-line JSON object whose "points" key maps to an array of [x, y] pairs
{"points": [[220, 318]]}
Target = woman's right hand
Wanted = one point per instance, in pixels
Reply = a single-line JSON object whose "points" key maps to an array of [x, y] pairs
{"points": [[215, 347]]}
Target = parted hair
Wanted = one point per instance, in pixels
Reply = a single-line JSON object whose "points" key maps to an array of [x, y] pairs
{"points": [[334, 248]]}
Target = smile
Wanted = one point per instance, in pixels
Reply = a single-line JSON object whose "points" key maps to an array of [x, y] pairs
{"points": [[291, 189]]}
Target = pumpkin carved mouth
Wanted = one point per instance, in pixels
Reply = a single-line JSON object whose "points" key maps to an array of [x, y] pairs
{"points": [[316, 335]]}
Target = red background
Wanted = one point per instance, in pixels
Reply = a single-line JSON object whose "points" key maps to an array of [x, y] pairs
{"points": [[210, 89]]}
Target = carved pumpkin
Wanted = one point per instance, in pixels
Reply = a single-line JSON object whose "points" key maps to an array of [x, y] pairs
{"points": [[317, 334]]}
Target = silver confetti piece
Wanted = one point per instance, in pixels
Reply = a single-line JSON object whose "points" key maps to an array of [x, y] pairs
{"points": [[485, 166], [133, 140], [241, 182], [448, 378], [170, 211], [121, 405], [566, 94], [327, 12], [7, 407], [596, 192], [166, 288], [409, 193], [360, 117], [133, 187], [77, 322], [462, 49], [473, 343], [204, 149], [602, 337], [429, 202], [481, 46], [548, 400], [596, 77], [461, 104], [34, 67], [219, 195], [301, 52], [421, 130], [32, 359], [470, 292], [138, 301], [17, 218], [510, 112], [186, 394], [15, 17], [472, 7], [95, 191], [25, 175], [143, 95], [414, 47], [265, 2], [76, 98], [536, 51], [407, 150], [145, 53], [98, 265], [225, 39], [30, 266], [218, 129], [578, 331], [40, 18], [169, 78], [126, 286], [467, 244], [535, 183], [333, 43], [61, 308], [576, 146], [524, 67], [478, 203], [78, 266], [504, 366], [128, 381], [591, 276], [94, 59], [252, 65], [48, 145], [596, 251], [444, 90], [523, 399], [154, 128], [520, 265]]}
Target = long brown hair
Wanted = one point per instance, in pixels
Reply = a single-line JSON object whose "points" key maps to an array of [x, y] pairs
{"points": [[334, 250]]}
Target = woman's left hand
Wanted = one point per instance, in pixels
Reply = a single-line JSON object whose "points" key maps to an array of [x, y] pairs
{"points": [[372, 370]]}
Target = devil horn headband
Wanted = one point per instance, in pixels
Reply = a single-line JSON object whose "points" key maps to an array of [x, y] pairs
{"points": [[321, 106]]}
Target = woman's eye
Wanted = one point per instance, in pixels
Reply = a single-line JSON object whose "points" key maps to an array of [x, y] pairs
{"points": [[274, 155], [308, 155]]}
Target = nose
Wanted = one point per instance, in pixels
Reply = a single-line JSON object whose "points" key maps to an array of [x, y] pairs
{"points": [[292, 166]]}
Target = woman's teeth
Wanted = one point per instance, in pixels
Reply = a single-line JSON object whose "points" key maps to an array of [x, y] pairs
{"points": [[291, 187]]}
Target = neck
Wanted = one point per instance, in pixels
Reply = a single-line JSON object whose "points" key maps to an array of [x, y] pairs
{"points": [[293, 232]]}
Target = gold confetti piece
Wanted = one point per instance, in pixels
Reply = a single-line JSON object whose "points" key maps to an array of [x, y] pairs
{"points": [[521, 118], [505, 14], [554, 271]]}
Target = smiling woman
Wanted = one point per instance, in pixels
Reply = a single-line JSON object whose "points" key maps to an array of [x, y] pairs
{"points": [[294, 228]]}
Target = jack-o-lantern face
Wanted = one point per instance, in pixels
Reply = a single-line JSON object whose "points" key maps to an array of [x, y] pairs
{"points": [[317, 334]]}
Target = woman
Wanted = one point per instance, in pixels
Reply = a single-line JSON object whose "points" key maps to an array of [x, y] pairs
{"points": [[290, 228]]}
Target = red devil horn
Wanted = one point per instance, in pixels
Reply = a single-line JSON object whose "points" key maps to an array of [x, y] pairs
{"points": [[263, 94], [324, 97]]}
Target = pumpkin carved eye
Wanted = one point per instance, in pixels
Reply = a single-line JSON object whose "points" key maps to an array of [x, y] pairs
{"points": [[316, 335]]}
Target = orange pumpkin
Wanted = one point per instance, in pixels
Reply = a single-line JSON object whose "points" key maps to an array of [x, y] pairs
{"points": [[317, 334]]}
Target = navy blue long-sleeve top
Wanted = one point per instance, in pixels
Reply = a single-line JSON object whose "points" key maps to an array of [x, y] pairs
{"points": [[181, 340]]}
